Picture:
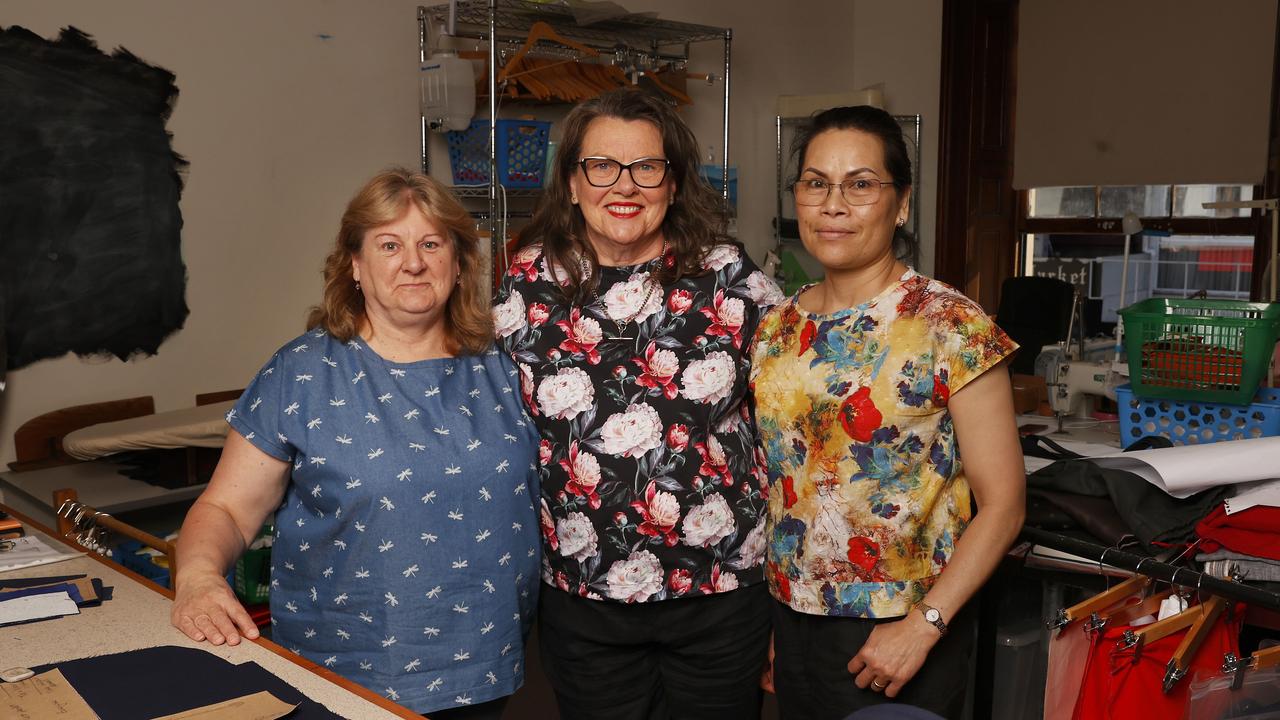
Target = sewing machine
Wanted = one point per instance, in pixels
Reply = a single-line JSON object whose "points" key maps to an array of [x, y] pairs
{"points": [[1072, 383]]}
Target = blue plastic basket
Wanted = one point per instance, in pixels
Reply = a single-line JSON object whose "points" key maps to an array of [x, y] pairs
{"points": [[126, 553], [521, 153], [1193, 423]]}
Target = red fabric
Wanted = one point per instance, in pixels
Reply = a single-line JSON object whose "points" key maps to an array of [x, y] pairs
{"points": [[1118, 688], [1255, 531]]}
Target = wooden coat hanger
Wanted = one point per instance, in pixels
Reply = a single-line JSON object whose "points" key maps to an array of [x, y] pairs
{"points": [[1259, 660], [1101, 601], [1199, 618], [542, 31], [1149, 605], [665, 88], [1201, 626]]}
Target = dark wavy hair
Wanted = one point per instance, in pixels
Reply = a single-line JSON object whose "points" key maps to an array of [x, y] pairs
{"points": [[383, 200], [695, 222], [897, 160]]}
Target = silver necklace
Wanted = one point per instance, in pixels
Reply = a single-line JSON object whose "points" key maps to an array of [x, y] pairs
{"points": [[595, 293]]}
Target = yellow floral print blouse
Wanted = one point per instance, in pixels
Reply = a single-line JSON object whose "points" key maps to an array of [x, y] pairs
{"points": [[867, 495]]}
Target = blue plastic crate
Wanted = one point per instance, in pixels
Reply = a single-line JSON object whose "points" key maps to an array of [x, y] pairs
{"points": [[1192, 423], [521, 153], [714, 176], [126, 553]]}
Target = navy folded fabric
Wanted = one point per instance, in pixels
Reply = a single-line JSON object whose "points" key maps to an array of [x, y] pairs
{"points": [[167, 680], [69, 588]]}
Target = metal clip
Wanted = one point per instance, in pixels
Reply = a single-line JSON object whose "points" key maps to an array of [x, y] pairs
{"points": [[1058, 620], [1235, 667], [1128, 640], [1095, 623], [1172, 674]]}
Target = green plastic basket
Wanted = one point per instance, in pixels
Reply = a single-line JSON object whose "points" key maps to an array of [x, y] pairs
{"points": [[1199, 350], [252, 573]]}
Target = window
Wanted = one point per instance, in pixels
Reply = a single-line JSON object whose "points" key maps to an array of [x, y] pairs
{"points": [[1147, 201], [1074, 233]]}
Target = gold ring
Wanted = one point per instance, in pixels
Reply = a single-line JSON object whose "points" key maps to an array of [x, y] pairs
{"points": [[878, 686]]}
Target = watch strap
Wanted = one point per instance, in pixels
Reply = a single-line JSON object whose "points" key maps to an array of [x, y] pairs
{"points": [[926, 610]]}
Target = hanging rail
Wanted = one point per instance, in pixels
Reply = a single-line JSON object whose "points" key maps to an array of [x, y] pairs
{"points": [[1172, 574]]}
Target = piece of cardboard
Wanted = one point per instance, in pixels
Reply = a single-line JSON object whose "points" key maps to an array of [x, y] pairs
{"points": [[47, 696], [258, 706]]}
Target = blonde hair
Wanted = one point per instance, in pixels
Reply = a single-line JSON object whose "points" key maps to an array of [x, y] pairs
{"points": [[468, 322]]}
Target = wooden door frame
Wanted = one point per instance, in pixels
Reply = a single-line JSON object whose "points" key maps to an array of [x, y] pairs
{"points": [[956, 148], [961, 195]]}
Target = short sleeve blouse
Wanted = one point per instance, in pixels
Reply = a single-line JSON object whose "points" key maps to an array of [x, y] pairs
{"points": [[867, 494], [648, 459], [405, 553]]}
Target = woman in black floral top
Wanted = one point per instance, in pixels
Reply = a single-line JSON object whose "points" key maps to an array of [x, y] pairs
{"points": [[629, 313]]}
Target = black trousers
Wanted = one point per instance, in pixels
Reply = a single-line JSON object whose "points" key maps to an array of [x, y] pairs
{"points": [[811, 674], [689, 658]]}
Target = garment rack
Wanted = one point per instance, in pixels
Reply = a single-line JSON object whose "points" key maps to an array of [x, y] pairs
{"points": [[493, 21], [1172, 574]]}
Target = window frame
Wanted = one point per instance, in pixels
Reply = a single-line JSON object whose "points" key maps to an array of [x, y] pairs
{"points": [[1256, 224]]}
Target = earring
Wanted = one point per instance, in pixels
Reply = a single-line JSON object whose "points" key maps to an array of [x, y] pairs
{"points": [[357, 286], [902, 221], [573, 199]]}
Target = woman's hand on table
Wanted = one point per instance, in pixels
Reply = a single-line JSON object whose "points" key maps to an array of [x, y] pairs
{"points": [[204, 608]]}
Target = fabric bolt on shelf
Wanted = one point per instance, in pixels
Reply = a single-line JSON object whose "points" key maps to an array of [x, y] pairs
{"points": [[1250, 570], [1045, 514], [1225, 554], [1152, 515], [1095, 515], [1119, 685], [165, 680], [1225, 563], [1255, 531]]}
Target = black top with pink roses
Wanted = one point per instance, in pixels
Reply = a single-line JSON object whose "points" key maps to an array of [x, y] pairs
{"points": [[651, 469]]}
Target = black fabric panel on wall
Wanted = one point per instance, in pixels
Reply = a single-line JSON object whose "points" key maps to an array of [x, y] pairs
{"points": [[90, 229]]}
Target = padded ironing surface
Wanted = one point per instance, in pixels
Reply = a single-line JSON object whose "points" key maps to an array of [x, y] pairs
{"points": [[202, 426]]}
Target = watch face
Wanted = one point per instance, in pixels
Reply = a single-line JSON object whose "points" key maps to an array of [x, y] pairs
{"points": [[932, 615]]}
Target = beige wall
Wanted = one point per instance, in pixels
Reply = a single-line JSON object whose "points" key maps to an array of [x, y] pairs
{"points": [[280, 126], [899, 44]]}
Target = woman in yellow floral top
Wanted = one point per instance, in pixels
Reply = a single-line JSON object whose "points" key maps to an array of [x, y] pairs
{"points": [[870, 386]]}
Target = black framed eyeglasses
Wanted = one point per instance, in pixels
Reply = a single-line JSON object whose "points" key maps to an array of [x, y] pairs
{"points": [[858, 191], [645, 172]]}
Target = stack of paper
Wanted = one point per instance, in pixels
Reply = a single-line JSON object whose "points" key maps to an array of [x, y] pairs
{"points": [[30, 550], [29, 599]]}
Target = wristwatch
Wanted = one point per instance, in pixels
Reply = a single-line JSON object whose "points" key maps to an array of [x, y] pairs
{"points": [[932, 616]]}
